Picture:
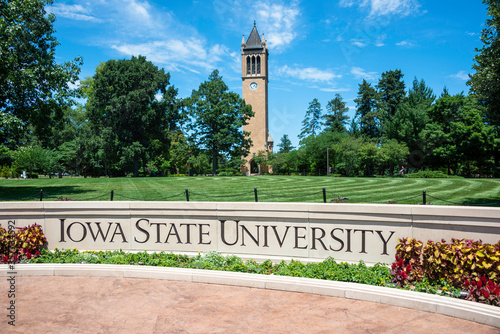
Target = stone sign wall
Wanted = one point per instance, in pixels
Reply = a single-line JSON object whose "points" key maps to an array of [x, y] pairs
{"points": [[308, 232]]}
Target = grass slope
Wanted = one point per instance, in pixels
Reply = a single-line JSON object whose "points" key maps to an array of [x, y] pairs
{"points": [[270, 189]]}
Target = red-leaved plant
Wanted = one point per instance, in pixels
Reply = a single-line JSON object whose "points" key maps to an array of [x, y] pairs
{"points": [[484, 291], [401, 273]]}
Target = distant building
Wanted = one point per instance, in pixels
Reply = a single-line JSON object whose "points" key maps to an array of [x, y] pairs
{"points": [[254, 55]]}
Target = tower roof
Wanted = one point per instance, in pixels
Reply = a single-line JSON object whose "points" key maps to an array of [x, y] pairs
{"points": [[254, 41]]}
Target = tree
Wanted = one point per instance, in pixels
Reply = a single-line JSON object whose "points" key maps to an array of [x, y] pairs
{"points": [[485, 83], [367, 113], [391, 155], [420, 94], [285, 144], [217, 117], [33, 87], [36, 159], [457, 137], [391, 88], [179, 152], [311, 123], [410, 119], [124, 110], [335, 118]]}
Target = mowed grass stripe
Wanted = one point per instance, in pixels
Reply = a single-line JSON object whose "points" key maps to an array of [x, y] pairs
{"points": [[271, 189]]}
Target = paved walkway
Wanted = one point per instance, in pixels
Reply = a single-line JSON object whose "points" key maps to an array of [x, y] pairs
{"points": [[58, 304]]}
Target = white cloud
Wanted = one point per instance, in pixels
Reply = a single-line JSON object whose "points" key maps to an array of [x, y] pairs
{"points": [[406, 44], [399, 7], [385, 7], [74, 12], [360, 73], [277, 19], [176, 54], [358, 42], [346, 3], [334, 90], [278, 22], [308, 74], [139, 10], [462, 75], [380, 40]]}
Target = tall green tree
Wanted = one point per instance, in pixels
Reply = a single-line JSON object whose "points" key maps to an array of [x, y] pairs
{"points": [[335, 117], [485, 83], [420, 94], [410, 119], [217, 119], [367, 113], [391, 88], [285, 144], [125, 112], [33, 87], [457, 137], [312, 121]]}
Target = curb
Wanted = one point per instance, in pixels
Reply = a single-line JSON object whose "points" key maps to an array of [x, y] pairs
{"points": [[458, 308]]}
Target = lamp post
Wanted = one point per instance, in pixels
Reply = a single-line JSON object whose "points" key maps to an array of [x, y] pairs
{"points": [[327, 161]]}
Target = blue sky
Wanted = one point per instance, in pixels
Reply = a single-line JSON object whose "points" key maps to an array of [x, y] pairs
{"points": [[316, 48]]}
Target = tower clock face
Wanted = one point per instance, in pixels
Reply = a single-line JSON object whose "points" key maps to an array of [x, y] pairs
{"points": [[253, 86]]}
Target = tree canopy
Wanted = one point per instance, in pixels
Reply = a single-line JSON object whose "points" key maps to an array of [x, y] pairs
{"points": [[126, 113], [33, 87], [311, 124], [217, 117]]}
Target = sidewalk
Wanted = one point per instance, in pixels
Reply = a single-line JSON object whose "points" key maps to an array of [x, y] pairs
{"points": [[62, 304]]}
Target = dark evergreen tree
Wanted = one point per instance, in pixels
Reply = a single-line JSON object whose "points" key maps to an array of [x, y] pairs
{"points": [[335, 117], [367, 114], [391, 88], [312, 121], [285, 144]]}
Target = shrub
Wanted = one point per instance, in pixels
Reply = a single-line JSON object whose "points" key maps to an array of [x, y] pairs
{"points": [[460, 264], [408, 265], [5, 172], [23, 244], [430, 174]]}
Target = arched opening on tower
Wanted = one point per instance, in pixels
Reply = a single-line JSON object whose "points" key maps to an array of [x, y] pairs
{"points": [[258, 64], [253, 64], [254, 167], [248, 65]]}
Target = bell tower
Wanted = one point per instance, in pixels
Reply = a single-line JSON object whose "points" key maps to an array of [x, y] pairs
{"points": [[254, 74]]}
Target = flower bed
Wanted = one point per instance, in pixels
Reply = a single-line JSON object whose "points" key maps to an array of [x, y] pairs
{"points": [[437, 268]]}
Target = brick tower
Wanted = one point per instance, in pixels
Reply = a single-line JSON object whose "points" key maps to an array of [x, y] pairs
{"points": [[254, 74]]}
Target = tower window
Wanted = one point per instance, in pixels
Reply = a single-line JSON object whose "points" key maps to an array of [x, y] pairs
{"points": [[258, 64], [253, 64], [248, 65]]}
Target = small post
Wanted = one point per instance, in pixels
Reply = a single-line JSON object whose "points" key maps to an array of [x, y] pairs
{"points": [[112, 194], [256, 196], [41, 195], [324, 195], [187, 195], [424, 198]]}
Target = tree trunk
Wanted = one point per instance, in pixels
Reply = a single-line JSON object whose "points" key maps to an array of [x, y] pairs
{"points": [[214, 162], [496, 155], [136, 168]]}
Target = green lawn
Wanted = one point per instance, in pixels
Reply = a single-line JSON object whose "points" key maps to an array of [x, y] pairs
{"points": [[270, 189]]}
